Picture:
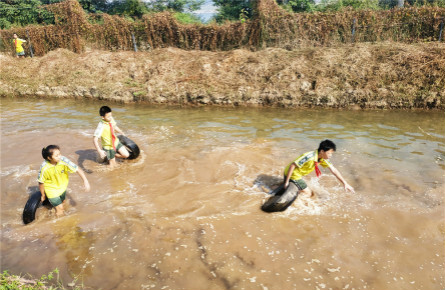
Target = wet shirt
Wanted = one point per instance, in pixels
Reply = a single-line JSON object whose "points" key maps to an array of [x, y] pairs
{"points": [[103, 131], [55, 177], [305, 165], [18, 45]]}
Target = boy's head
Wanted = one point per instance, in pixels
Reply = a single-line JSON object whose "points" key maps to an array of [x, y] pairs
{"points": [[15, 35], [105, 113], [326, 149], [48, 153], [104, 110]]}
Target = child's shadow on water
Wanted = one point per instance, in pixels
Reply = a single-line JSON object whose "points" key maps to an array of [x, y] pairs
{"points": [[89, 154], [268, 182]]}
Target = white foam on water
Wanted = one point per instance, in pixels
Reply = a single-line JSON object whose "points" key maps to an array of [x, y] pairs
{"points": [[326, 200], [223, 215], [240, 178], [19, 171], [163, 132], [86, 133], [139, 161]]}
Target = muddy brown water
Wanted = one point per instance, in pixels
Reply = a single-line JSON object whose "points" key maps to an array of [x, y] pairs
{"points": [[186, 214]]}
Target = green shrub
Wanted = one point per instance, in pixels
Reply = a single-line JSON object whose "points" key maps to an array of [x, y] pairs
{"points": [[51, 281], [186, 18]]}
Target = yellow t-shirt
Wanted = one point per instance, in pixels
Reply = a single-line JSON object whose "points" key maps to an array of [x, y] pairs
{"points": [[18, 45], [55, 177], [103, 131], [305, 164]]}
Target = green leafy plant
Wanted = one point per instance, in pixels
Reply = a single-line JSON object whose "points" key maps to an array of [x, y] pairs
{"points": [[302, 5], [232, 9], [186, 18], [51, 281], [243, 15]]}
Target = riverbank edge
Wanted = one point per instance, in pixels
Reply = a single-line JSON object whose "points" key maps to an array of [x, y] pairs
{"points": [[361, 76]]}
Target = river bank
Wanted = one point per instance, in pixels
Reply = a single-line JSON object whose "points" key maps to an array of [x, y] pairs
{"points": [[382, 75]]}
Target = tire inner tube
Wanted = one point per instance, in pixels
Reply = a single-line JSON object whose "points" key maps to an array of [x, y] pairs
{"points": [[132, 148], [29, 212], [282, 198]]}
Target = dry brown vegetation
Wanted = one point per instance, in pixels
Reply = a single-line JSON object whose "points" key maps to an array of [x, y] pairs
{"points": [[285, 29], [277, 59], [74, 31], [382, 75], [270, 27]]}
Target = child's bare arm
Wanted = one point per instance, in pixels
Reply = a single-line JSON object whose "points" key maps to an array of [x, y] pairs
{"points": [[99, 150], [42, 191], [289, 174], [84, 178], [341, 179]]}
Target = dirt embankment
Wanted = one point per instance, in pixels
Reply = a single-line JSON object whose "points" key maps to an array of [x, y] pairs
{"points": [[383, 75]]}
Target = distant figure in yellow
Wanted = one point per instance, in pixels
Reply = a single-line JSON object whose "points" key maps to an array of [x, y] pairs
{"points": [[19, 51]]}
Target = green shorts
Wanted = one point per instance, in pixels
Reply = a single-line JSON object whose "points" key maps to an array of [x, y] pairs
{"points": [[300, 183], [55, 201], [111, 153], [20, 53]]}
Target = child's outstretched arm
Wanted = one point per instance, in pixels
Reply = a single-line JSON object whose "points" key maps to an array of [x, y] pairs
{"points": [[341, 179], [42, 191], [84, 178], [99, 150]]}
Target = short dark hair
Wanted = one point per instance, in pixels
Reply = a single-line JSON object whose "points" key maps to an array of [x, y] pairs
{"points": [[48, 151], [104, 110], [327, 145]]}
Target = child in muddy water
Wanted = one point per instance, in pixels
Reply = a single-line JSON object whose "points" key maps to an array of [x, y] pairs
{"points": [[53, 177], [111, 146], [308, 162], [294, 172]]}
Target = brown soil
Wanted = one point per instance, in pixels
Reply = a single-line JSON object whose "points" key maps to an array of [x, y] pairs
{"points": [[383, 75]]}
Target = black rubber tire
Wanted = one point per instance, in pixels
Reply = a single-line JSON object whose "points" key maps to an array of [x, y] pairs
{"points": [[282, 199], [277, 191], [132, 148], [29, 212]]}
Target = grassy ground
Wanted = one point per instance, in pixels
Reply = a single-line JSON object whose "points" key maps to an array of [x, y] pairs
{"points": [[364, 75], [46, 282]]}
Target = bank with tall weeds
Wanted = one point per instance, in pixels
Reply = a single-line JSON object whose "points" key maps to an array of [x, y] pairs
{"points": [[347, 59]]}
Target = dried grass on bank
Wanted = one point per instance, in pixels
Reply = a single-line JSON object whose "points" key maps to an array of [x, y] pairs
{"points": [[385, 75]]}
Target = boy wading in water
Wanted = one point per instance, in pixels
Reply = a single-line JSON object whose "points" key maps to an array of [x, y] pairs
{"points": [[111, 146], [53, 177], [308, 162]]}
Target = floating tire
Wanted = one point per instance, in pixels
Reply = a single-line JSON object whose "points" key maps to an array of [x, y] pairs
{"points": [[29, 212], [282, 198], [132, 148]]}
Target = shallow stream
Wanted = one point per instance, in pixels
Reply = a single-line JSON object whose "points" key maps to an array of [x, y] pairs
{"points": [[186, 214]]}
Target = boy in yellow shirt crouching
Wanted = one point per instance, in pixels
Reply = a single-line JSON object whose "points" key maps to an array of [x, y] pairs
{"points": [[53, 177], [111, 145]]}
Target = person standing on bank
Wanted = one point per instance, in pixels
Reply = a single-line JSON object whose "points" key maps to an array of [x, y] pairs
{"points": [[19, 51], [53, 177], [111, 146], [309, 162]]}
